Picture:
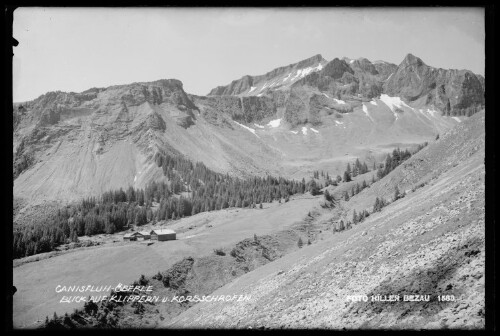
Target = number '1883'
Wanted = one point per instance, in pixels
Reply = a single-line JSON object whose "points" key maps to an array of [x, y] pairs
{"points": [[446, 297]]}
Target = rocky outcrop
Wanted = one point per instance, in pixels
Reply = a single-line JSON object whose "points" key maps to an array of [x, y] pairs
{"points": [[236, 87], [175, 276], [242, 109], [256, 109], [364, 65], [336, 69], [385, 69], [456, 92]]}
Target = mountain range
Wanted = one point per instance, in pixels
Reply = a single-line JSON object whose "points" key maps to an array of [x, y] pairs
{"points": [[310, 114]]}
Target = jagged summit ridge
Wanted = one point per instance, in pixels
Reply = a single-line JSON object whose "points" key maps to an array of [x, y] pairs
{"points": [[279, 78], [453, 92]]}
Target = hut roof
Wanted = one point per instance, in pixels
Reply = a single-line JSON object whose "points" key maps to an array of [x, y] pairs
{"points": [[132, 234], [162, 231]]}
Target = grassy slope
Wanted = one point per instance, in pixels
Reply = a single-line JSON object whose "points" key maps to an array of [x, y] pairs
{"points": [[430, 242], [123, 262]]}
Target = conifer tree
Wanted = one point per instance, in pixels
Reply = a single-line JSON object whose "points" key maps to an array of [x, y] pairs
{"points": [[397, 194], [365, 168], [341, 225], [328, 197], [376, 206]]}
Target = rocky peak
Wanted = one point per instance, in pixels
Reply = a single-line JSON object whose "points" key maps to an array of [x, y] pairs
{"points": [[364, 65], [336, 69], [452, 91], [311, 61], [411, 60]]}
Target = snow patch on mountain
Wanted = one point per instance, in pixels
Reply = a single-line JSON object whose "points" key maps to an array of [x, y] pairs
{"points": [[373, 102], [247, 128], [365, 109], [457, 119], [296, 75], [259, 126], [295, 132], [252, 88], [393, 103], [339, 101], [304, 130], [274, 123], [312, 129], [306, 71]]}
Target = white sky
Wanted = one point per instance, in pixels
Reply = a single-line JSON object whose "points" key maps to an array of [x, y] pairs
{"points": [[74, 49]]}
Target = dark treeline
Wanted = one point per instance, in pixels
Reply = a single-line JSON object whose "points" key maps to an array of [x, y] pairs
{"points": [[111, 212], [357, 169], [329, 180], [214, 191], [192, 188], [392, 161]]}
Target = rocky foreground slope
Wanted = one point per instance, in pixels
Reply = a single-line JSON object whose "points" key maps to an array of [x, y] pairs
{"points": [[429, 243]]}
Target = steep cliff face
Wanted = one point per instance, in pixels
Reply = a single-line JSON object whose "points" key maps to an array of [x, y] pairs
{"points": [[384, 69], [241, 109], [455, 92], [102, 115]]}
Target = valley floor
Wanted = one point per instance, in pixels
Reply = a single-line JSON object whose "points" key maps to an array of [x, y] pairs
{"points": [[123, 262]]}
